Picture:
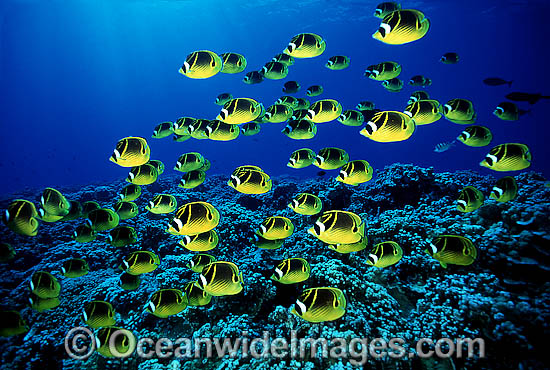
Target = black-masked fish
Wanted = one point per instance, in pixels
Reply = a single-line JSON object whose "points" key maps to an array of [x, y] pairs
{"points": [[299, 114], [351, 118], [263, 243], [320, 304], [131, 152], [206, 166], [274, 70], [350, 247], [114, 339], [365, 105], [162, 204], [389, 126], [331, 158], [420, 80], [291, 271], [283, 58], [508, 111], [103, 219], [201, 64], [460, 111], [338, 62], [140, 262], [221, 278], [223, 98], [424, 112], [402, 26], [383, 71], [128, 193], [275, 227], [505, 189], [199, 261], [122, 236], [20, 217], [44, 285], [192, 179], [129, 282], [289, 100], [355, 172], [393, 85], [449, 58], [240, 110], [98, 314], [291, 87], [324, 110], [195, 296], [75, 267], [302, 103], [182, 124], [166, 302], [158, 165], [126, 210], [163, 129], [84, 234], [476, 136], [301, 158], [452, 249], [43, 304], [277, 113], [145, 174], [306, 204], [248, 181], [194, 218], [306, 45], [200, 242], [300, 129], [189, 162], [251, 128], [197, 129], [233, 63], [508, 157], [7, 252], [253, 77], [314, 90], [385, 254], [334, 227], [11, 323], [386, 8], [418, 95], [53, 203], [75, 211]]}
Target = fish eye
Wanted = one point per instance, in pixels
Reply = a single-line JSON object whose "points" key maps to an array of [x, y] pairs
{"points": [[291, 47], [378, 11], [384, 29], [317, 229]]}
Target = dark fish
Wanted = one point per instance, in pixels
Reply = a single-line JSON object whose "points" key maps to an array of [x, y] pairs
{"points": [[531, 98], [496, 81], [321, 173]]}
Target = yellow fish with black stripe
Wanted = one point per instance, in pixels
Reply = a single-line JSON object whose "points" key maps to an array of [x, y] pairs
{"points": [[240, 110], [460, 111], [291, 271], [251, 128], [418, 95], [393, 85], [199, 261], [300, 129], [306, 45], [114, 339], [275, 227], [507, 111], [424, 112], [75, 211], [253, 77], [166, 302], [476, 136], [331, 158], [383, 9], [128, 193], [131, 151], [274, 70], [44, 285], [302, 103], [389, 126], [278, 113], [200, 242], [201, 64], [299, 114], [126, 210], [122, 236], [163, 129], [182, 124], [145, 174], [194, 218], [338, 62], [129, 282], [189, 162], [291, 87], [103, 219], [301, 158], [351, 118], [91, 205], [162, 204], [223, 98], [508, 157], [306, 204], [324, 110], [140, 262], [197, 129], [195, 296], [320, 304], [469, 199], [54, 203], [158, 165], [21, 217], [351, 247], [452, 249], [283, 58], [43, 304], [263, 243], [192, 179], [11, 323], [250, 181], [289, 100], [84, 234], [338, 227], [98, 314], [402, 26], [505, 189], [365, 105], [233, 63], [221, 278], [385, 254], [221, 131], [383, 71], [355, 172], [75, 267]]}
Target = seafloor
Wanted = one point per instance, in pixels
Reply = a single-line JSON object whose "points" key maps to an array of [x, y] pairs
{"points": [[503, 297]]}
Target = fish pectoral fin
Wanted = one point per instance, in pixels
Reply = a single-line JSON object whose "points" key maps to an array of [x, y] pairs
{"points": [[443, 264]]}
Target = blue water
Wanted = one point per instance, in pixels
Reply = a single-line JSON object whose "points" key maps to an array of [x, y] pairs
{"points": [[76, 76]]}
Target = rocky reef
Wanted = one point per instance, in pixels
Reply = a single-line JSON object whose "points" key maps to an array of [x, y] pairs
{"points": [[503, 297]]}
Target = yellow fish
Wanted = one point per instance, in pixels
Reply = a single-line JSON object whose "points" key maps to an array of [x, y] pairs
{"points": [[192, 179], [103, 219], [338, 62], [233, 63], [351, 118], [98, 314], [106, 341], [221, 131], [452, 249], [126, 210], [338, 227], [140, 262], [263, 243], [331, 158], [301, 158], [324, 110], [221, 278], [274, 70], [320, 304], [469, 199], [300, 129], [306, 204], [122, 236], [189, 162], [200, 242], [162, 130], [166, 302], [351, 247], [278, 113], [424, 112], [84, 234], [249, 181], [145, 174], [306, 45], [75, 267], [383, 71], [182, 124], [194, 218], [44, 285], [20, 217], [508, 157], [505, 189], [355, 172], [131, 152], [291, 271], [201, 64], [476, 136], [199, 261], [195, 296], [162, 204], [240, 110], [385, 254], [383, 9], [275, 227], [128, 193], [460, 111], [389, 126], [402, 26], [12, 324]]}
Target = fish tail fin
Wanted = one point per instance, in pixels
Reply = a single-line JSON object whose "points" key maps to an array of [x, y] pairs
{"points": [[510, 83], [545, 97]]}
